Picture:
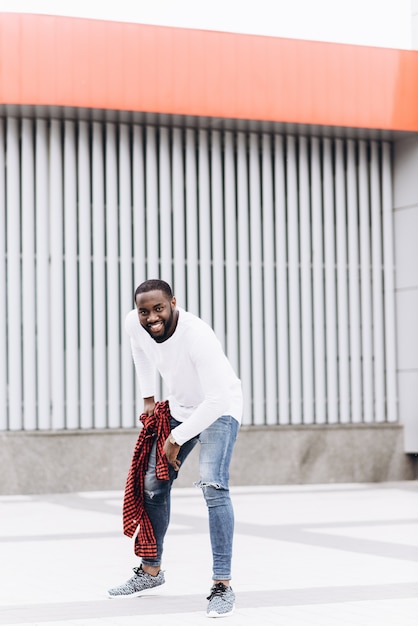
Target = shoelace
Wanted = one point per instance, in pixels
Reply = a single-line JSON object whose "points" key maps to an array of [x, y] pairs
{"points": [[138, 571], [217, 590]]}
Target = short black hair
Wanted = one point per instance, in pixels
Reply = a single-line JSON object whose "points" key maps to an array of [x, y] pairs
{"points": [[154, 284]]}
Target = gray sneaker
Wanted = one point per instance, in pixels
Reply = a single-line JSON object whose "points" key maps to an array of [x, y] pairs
{"points": [[221, 601], [140, 584]]}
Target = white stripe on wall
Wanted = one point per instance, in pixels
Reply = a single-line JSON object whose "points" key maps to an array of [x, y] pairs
{"points": [[258, 311], [389, 281], [56, 295], [377, 284], [85, 277], [71, 299], [282, 301], [342, 284], [42, 309], [331, 311], [12, 339], [268, 284], [127, 380], [318, 285], [365, 285], [113, 340], [243, 304], [99, 279], [3, 286], [308, 403], [28, 276], [293, 236], [283, 243]]}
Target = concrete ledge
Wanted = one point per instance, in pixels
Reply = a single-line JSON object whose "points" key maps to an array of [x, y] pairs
{"points": [[59, 462]]}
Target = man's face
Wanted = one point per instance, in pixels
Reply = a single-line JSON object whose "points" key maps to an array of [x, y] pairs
{"points": [[157, 314]]}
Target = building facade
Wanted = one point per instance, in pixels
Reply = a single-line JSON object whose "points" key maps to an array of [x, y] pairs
{"points": [[272, 182]]}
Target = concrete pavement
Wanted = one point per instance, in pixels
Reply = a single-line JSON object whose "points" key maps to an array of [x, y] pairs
{"points": [[316, 555]]}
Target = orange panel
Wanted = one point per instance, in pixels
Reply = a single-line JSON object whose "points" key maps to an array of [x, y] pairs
{"points": [[47, 60]]}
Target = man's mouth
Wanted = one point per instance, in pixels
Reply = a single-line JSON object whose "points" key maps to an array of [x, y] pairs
{"points": [[156, 327]]}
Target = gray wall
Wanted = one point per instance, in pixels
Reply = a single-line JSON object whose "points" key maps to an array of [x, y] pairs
{"points": [[99, 460], [405, 189]]}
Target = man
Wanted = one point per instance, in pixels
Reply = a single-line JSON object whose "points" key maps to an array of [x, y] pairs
{"points": [[205, 400]]}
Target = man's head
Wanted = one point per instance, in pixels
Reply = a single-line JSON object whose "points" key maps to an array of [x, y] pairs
{"points": [[156, 308]]}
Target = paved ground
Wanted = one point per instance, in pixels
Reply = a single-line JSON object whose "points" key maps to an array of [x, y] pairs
{"points": [[322, 555]]}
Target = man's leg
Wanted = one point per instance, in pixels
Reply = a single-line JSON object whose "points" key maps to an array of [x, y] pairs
{"points": [[157, 501], [149, 576], [157, 498], [217, 444]]}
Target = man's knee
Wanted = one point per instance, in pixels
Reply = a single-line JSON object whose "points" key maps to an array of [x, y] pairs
{"points": [[155, 489], [214, 493]]}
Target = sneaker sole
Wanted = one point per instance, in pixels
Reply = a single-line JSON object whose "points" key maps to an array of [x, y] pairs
{"points": [[144, 592], [214, 614]]}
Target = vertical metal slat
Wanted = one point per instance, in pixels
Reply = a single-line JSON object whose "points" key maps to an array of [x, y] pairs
{"points": [[28, 275], [192, 269], [354, 285], [217, 213], [281, 280], [244, 320], [71, 278], [164, 183], [231, 283], [342, 284], [3, 286], [85, 276], [99, 279], [389, 284], [152, 225], [377, 264], [269, 295], [294, 284], [125, 273], [306, 283], [179, 253], [366, 285], [319, 353], [256, 289], [112, 278], [57, 276], [205, 259], [330, 284]]}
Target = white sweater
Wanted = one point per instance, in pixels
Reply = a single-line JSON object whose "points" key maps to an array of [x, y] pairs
{"points": [[202, 385]]}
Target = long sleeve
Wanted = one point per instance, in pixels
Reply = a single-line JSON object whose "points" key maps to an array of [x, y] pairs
{"points": [[145, 370], [215, 374]]}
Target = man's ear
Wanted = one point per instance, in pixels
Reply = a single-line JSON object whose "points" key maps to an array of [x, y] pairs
{"points": [[173, 302]]}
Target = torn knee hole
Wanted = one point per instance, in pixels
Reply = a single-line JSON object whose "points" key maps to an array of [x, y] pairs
{"points": [[202, 484]]}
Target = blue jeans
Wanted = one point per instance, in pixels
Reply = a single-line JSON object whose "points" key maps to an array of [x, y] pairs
{"points": [[216, 446]]}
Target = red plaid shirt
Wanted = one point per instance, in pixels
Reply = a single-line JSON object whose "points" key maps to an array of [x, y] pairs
{"points": [[155, 426]]}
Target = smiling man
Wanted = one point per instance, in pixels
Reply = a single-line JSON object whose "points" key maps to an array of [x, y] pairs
{"points": [[205, 400]]}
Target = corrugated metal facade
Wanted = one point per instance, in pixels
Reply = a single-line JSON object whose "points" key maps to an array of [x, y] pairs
{"points": [[282, 242]]}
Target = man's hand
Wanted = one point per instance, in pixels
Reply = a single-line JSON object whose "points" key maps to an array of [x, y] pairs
{"points": [[171, 451], [149, 405]]}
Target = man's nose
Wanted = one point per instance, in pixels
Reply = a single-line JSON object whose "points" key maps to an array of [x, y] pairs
{"points": [[152, 316]]}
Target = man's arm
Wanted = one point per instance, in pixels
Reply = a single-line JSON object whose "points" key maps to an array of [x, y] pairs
{"points": [[215, 375], [145, 371]]}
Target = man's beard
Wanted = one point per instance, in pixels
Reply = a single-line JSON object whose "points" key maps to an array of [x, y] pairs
{"points": [[167, 326]]}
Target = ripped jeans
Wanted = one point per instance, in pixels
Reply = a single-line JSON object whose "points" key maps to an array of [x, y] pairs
{"points": [[216, 446]]}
